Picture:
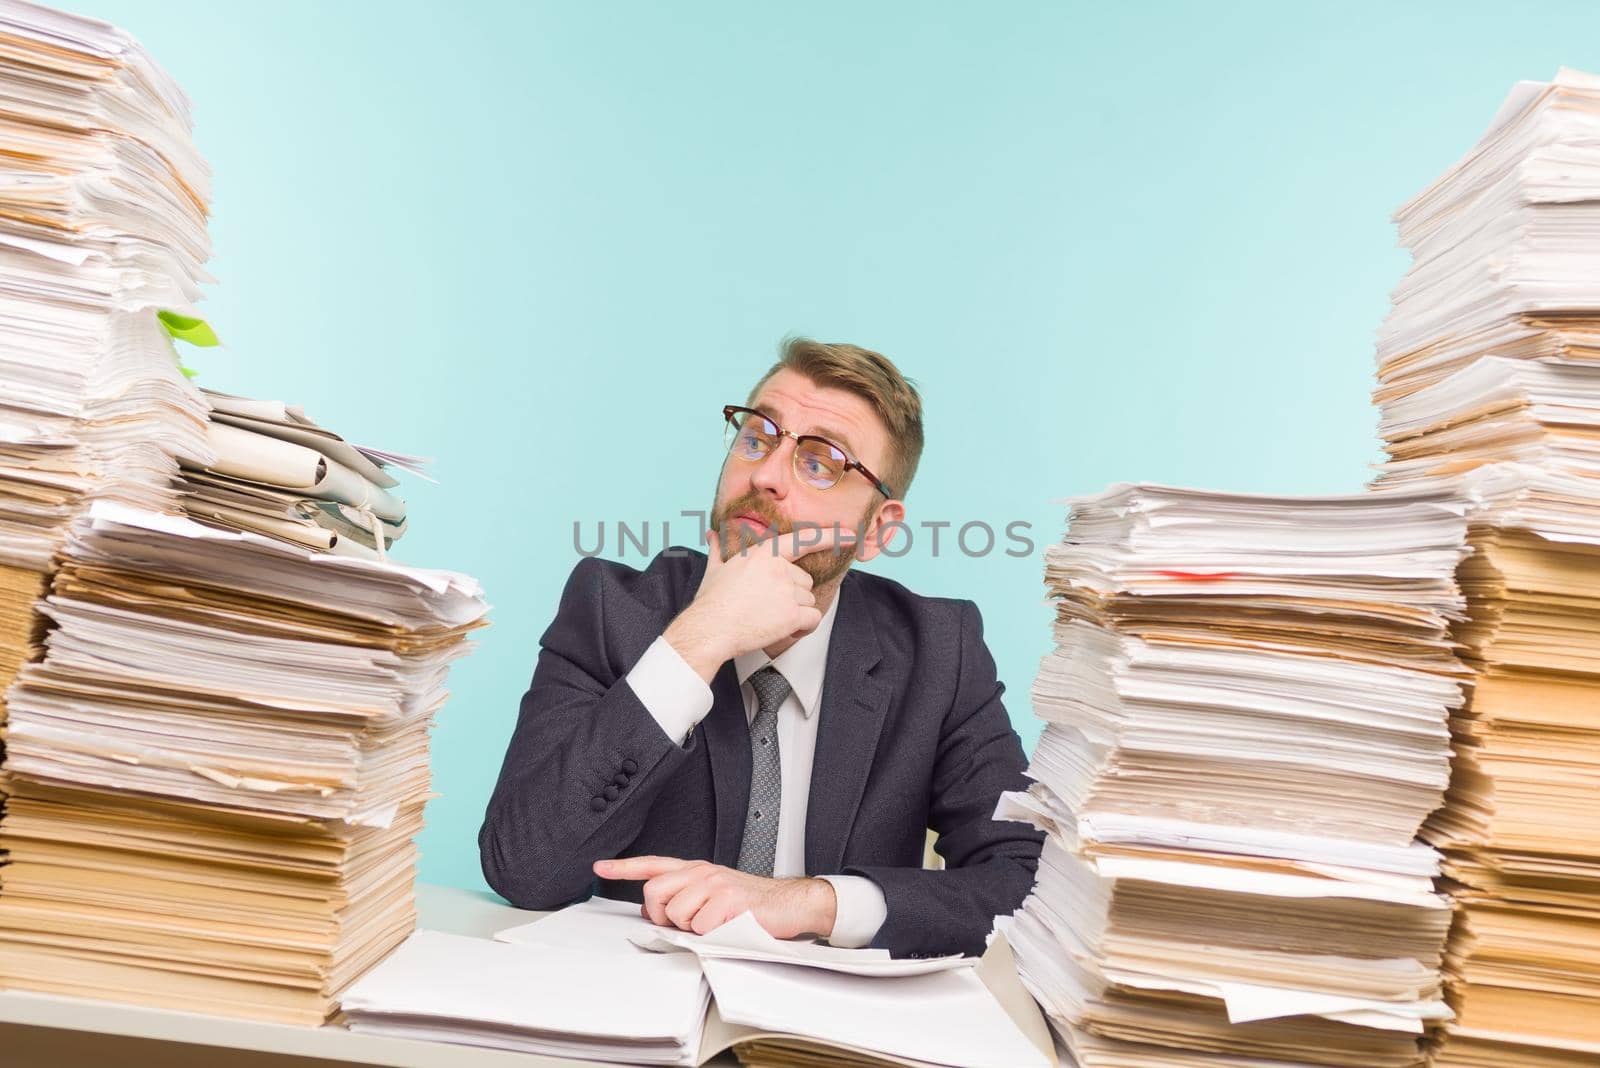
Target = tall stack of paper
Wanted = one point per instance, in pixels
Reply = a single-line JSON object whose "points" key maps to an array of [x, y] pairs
{"points": [[217, 768], [277, 473], [217, 749], [1492, 348], [1246, 725], [102, 221], [1489, 364]]}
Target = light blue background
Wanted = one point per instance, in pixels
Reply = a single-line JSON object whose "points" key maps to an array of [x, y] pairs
{"points": [[1110, 241]]}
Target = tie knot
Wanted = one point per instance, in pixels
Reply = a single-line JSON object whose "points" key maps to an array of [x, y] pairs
{"points": [[770, 687]]}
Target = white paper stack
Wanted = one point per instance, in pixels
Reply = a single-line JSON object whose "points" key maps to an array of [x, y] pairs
{"points": [[103, 203], [217, 769], [1492, 348], [102, 222], [1246, 725]]}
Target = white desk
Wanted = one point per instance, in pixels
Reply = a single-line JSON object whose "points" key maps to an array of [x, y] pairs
{"points": [[46, 1031]]}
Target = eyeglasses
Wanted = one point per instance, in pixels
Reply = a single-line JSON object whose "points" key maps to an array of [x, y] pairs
{"points": [[818, 462]]}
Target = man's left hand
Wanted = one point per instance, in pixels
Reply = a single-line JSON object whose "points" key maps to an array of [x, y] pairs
{"points": [[698, 896]]}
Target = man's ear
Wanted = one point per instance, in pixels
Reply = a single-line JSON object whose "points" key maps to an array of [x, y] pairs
{"points": [[882, 529]]}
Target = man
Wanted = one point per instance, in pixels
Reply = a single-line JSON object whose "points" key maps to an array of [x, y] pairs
{"points": [[761, 728]]}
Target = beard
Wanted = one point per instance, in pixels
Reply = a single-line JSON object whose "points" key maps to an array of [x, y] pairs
{"points": [[825, 566]]}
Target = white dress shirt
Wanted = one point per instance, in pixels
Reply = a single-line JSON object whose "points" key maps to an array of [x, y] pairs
{"points": [[679, 699]]}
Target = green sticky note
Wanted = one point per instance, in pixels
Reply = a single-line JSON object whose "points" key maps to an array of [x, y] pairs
{"points": [[187, 328], [188, 372]]}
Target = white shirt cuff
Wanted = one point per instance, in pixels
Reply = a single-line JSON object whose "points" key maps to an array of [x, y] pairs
{"points": [[859, 912], [669, 689]]}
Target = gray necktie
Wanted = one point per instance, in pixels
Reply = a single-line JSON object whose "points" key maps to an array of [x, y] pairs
{"points": [[766, 782]]}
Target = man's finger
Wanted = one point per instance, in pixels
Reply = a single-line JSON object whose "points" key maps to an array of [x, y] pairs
{"points": [[806, 619], [710, 916], [637, 867], [655, 903], [713, 549], [659, 892], [685, 904]]}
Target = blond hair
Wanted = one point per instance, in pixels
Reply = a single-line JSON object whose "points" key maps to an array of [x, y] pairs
{"points": [[872, 377]]}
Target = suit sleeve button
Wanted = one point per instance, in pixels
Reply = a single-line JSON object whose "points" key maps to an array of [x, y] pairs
{"points": [[597, 804], [630, 766], [621, 778], [610, 793]]}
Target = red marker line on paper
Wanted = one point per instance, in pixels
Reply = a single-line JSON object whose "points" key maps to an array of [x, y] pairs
{"points": [[1200, 576]]}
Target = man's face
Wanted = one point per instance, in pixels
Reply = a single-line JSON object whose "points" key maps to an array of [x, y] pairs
{"points": [[757, 498]]}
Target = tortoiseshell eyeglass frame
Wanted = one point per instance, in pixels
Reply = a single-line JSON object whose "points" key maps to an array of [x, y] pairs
{"points": [[731, 411]]}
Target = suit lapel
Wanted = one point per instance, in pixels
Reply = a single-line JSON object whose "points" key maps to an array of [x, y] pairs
{"points": [[854, 704]]}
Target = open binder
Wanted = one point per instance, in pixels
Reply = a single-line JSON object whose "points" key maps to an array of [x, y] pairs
{"points": [[583, 990]]}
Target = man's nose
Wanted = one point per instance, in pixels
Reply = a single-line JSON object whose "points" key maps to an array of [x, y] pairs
{"points": [[773, 473]]}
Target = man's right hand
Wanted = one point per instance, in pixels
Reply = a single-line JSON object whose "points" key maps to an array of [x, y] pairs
{"points": [[756, 597]]}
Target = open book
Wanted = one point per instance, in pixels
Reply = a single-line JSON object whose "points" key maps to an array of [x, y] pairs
{"points": [[584, 986]]}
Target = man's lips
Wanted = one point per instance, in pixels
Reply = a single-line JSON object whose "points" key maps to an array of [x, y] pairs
{"points": [[746, 518]]}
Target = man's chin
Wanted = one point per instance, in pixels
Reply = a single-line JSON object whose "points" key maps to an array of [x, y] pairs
{"points": [[825, 566], [735, 536]]}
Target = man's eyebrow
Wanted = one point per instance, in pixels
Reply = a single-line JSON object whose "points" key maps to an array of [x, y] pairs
{"points": [[832, 435], [835, 437]]}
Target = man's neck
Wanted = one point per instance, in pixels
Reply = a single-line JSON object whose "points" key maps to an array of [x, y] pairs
{"points": [[825, 596]]}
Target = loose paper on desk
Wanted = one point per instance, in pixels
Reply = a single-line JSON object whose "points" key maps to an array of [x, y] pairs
{"points": [[743, 938], [600, 924], [550, 1001]]}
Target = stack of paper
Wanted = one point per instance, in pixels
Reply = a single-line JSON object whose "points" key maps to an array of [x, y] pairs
{"points": [[1519, 831], [1489, 364], [218, 767], [217, 748], [1246, 725], [277, 473], [1492, 348], [102, 222]]}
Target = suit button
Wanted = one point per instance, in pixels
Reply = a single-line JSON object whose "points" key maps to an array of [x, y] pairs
{"points": [[621, 778], [611, 793], [597, 804], [629, 766]]}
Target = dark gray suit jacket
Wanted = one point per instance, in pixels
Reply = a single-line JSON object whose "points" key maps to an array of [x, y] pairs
{"points": [[912, 735]]}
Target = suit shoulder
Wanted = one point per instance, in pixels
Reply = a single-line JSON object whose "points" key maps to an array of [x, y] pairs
{"points": [[661, 582], [897, 604]]}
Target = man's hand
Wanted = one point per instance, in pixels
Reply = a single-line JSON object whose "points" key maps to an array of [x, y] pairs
{"points": [[698, 896], [751, 600]]}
